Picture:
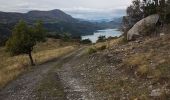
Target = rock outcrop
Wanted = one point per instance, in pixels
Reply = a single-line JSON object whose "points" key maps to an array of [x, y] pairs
{"points": [[139, 27]]}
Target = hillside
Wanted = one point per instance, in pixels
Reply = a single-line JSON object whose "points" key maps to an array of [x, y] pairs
{"points": [[32, 16], [124, 70], [127, 70], [134, 70], [12, 66]]}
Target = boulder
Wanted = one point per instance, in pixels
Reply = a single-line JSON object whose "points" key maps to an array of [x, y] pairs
{"points": [[139, 27]]}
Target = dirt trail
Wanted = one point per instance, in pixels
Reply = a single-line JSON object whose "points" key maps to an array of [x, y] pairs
{"points": [[73, 87], [23, 87]]}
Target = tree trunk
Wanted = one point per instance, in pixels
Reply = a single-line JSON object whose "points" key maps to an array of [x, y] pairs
{"points": [[31, 59]]}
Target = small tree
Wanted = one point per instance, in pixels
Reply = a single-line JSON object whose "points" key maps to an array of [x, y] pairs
{"points": [[24, 38]]}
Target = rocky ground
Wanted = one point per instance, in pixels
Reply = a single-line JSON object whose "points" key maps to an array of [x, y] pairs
{"points": [[137, 70]]}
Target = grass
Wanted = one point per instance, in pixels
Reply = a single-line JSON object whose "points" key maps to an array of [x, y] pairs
{"points": [[47, 55], [103, 47], [151, 64], [143, 70], [11, 67], [138, 59], [110, 43], [50, 86], [153, 60], [93, 49], [100, 46], [139, 63]]}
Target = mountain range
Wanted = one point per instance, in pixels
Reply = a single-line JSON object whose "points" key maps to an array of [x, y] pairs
{"points": [[55, 22], [46, 16]]}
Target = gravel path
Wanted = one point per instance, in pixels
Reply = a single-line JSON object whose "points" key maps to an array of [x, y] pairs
{"points": [[73, 87]]}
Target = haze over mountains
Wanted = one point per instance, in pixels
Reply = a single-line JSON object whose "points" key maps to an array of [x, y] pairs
{"points": [[96, 15]]}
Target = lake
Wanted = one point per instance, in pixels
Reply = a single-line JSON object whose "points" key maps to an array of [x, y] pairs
{"points": [[106, 32]]}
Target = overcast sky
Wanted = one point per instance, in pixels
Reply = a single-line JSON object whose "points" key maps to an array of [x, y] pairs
{"points": [[70, 6]]}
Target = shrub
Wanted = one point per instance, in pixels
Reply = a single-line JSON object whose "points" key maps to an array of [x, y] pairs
{"points": [[91, 50], [103, 47], [86, 41], [143, 70], [101, 39]]}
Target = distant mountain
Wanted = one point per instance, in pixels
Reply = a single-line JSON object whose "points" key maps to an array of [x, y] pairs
{"points": [[46, 16], [96, 15]]}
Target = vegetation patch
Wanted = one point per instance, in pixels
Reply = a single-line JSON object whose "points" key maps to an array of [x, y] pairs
{"points": [[103, 47], [137, 60], [91, 50], [11, 67], [86, 41]]}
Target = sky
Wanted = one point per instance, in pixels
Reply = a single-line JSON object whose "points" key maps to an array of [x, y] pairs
{"points": [[76, 8]]}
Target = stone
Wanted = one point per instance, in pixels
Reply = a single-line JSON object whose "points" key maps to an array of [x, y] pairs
{"points": [[162, 34], [156, 93], [140, 26]]}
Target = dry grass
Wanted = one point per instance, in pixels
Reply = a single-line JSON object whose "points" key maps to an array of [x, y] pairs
{"points": [[47, 55], [143, 70], [153, 59], [103, 45], [11, 67], [109, 43], [145, 64], [91, 50], [138, 59]]}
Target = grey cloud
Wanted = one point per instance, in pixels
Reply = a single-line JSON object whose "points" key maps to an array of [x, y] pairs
{"points": [[86, 9], [17, 5]]}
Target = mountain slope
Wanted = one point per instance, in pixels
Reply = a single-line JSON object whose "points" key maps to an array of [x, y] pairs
{"points": [[46, 16], [135, 70]]}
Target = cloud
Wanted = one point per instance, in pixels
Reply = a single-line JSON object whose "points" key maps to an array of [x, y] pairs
{"points": [[25, 5], [85, 9], [95, 14]]}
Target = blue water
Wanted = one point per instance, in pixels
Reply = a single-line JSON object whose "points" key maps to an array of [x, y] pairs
{"points": [[107, 33]]}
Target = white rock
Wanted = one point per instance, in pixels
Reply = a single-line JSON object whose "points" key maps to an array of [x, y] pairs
{"points": [[138, 28], [155, 93], [162, 34]]}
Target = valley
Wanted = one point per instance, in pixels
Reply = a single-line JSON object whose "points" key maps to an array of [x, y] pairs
{"points": [[56, 22]]}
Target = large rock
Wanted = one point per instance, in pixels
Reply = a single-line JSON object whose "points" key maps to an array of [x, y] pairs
{"points": [[142, 25]]}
